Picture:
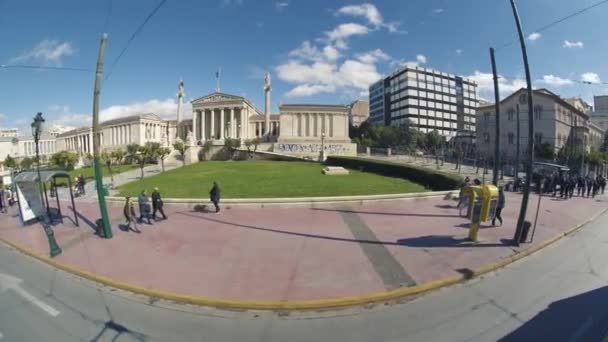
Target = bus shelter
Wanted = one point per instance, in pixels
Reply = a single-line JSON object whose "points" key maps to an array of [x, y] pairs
{"points": [[33, 200]]}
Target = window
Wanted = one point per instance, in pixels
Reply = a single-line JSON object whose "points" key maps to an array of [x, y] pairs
{"points": [[510, 114], [538, 110], [538, 138], [511, 138]]}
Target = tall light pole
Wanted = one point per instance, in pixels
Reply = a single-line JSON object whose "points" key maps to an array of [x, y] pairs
{"points": [[37, 127], [105, 220], [530, 157], [497, 110]]}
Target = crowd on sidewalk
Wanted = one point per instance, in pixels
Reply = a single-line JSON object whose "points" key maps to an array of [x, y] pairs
{"points": [[147, 212]]}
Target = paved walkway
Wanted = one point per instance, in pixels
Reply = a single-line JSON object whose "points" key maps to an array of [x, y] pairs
{"points": [[284, 254]]}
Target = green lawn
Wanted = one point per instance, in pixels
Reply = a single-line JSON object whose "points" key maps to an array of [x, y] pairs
{"points": [[263, 179]]}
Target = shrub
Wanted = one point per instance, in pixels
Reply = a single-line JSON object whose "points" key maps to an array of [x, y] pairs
{"points": [[431, 179]]}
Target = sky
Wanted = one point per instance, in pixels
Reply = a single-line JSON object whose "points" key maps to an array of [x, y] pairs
{"points": [[317, 51]]}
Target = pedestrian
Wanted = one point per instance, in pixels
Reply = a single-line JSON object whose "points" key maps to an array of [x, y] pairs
{"points": [[214, 196], [500, 205], [157, 204], [602, 183], [144, 207], [589, 186], [461, 196], [596, 186], [572, 185], [81, 184], [2, 199], [8, 195], [580, 186], [129, 212], [563, 183]]}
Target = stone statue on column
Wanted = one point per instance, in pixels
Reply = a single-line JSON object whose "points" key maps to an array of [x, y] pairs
{"points": [[267, 89]]}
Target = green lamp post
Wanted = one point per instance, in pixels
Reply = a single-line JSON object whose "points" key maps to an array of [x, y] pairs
{"points": [[37, 127]]}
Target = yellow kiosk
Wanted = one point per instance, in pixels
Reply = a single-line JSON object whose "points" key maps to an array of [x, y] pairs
{"points": [[482, 206]]}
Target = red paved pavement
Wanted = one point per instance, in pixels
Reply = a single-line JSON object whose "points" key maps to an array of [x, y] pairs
{"points": [[282, 254]]}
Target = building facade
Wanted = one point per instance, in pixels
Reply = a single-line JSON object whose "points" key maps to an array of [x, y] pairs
{"points": [[8, 132], [23, 146], [557, 122], [358, 112], [427, 99]]}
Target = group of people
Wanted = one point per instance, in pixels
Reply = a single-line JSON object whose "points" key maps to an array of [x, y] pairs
{"points": [[148, 213], [568, 183], [79, 185]]}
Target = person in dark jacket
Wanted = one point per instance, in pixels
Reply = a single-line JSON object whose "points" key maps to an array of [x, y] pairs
{"points": [[500, 205], [81, 184], [129, 212], [214, 196], [589, 186], [157, 204], [144, 207], [602, 184], [580, 186]]}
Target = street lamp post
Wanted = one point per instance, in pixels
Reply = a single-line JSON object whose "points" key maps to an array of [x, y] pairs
{"points": [[37, 126], [323, 147]]}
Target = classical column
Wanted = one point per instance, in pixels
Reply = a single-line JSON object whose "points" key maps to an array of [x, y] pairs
{"points": [[213, 136], [195, 124], [203, 119], [232, 124], [222, 132], [331, 125]]}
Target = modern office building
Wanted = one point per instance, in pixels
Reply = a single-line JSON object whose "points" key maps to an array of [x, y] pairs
{"points": [[600, 103], [428, 99], [599, 116]]}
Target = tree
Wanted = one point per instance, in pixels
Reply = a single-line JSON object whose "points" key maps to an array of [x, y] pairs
{"points": [[163, 152], [153, 150], [231, 145], [545, 151], [143, 154], [10, 162], [131, 153], [65, 160], [26, 163], [106, 158], [181, 148], [434, 140], [118, 155]]}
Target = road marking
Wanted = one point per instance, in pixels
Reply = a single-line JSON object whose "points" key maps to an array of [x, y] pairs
{"points": [[9, 282], [391, 272], [578, 334], [1, 336]]}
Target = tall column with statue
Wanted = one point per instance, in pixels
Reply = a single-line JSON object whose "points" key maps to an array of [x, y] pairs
{"points": [[267, 88], [180, 99]]}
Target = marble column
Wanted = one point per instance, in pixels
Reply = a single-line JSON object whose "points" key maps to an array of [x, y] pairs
{"points": [[195, 124], [222, 123], [213, 136], [232, 124], [203, 119]]}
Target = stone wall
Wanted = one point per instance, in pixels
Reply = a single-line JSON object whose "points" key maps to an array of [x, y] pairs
{"points": [[313, 149]]}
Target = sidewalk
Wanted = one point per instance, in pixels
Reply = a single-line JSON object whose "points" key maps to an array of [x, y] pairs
{"points": [[287, 254]]}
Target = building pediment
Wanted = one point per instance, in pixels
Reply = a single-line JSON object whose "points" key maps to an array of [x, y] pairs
{"points": [[217, 98]]}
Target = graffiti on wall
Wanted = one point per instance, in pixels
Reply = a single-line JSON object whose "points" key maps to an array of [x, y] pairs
{"points": [[306, 148]]}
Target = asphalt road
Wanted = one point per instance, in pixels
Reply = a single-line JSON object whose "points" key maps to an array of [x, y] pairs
{"points": [[558, 294]]}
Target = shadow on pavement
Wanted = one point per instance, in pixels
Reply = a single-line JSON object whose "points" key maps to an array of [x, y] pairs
{"points": [[579, 318], [447, 241], [381, 213], [272, 230]]}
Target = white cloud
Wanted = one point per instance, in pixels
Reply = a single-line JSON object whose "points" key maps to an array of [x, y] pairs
{"points": [[369, 11], [373, 56], [331, 53], [438, 10], [534, 36], [309, 90], [572, 45], [555, 81], [590, 77], [2, 116], [485, 84], [47, 52], [459, 52], [343, 31], [421, 59], [281, 4]]}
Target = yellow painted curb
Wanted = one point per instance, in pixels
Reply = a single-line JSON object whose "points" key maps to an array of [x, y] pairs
{"points": [[320, 304]]}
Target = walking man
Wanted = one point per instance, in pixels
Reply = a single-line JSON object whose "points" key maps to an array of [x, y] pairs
{"points": [[81, 184], [589, 186], [129, 212], [157, 204], [602, 184], [214, 196], [144, 207], [3, 205], [500, 205]]}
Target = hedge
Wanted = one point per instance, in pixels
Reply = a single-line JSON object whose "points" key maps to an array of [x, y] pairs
{"points": [[431, 179]]}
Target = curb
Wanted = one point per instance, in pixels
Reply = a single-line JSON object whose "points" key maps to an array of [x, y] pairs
{"points": [[300, 200], [321, 304]]}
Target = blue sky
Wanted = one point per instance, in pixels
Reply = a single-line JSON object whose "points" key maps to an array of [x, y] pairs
{"points": [[317, 50]]}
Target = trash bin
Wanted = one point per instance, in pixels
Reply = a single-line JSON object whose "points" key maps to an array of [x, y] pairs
{"points": [[99, 228], [524, 232]]}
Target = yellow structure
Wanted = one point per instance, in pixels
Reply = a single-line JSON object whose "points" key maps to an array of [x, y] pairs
{"points": [[482, 206], [489, 202]]}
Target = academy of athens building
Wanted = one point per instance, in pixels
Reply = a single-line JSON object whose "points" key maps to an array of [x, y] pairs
{"points": [[298, 129]]}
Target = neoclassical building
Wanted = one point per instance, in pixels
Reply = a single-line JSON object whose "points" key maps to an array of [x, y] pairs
{"points": [[298, 129]]}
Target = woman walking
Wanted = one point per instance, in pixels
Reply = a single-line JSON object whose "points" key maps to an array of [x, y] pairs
{"points": [[129, 212]]}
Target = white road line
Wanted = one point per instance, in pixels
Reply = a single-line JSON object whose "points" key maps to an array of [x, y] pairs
{"points": [[1, 336], [42, 305]]}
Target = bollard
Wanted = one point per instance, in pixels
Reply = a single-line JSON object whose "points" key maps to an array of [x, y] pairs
{"points": [[389, 152], [368, 151]]}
